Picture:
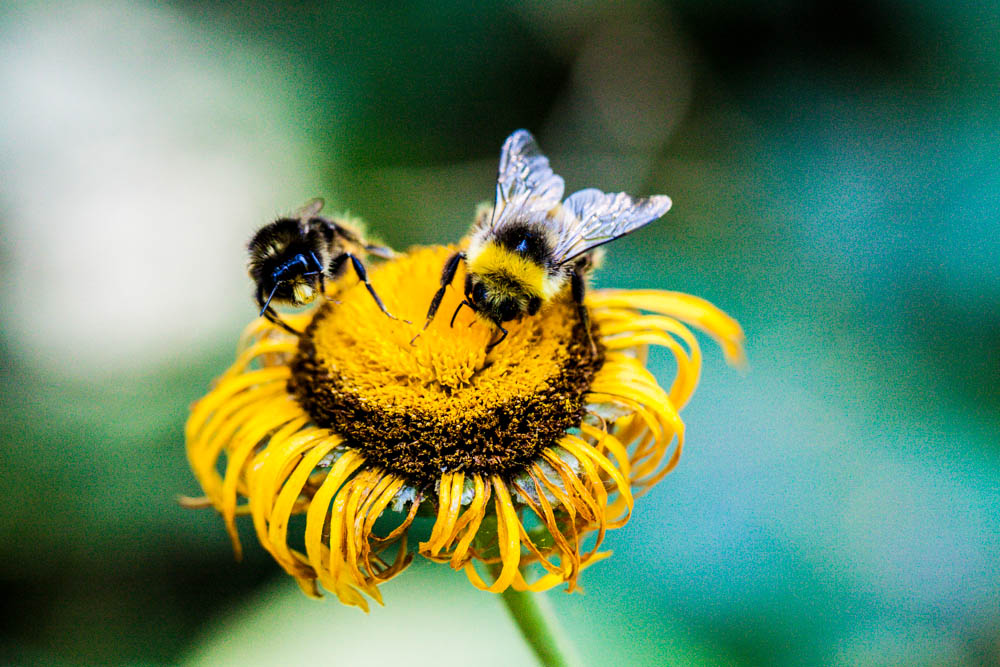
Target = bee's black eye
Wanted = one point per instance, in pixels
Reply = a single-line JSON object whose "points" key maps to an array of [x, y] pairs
{"points": [[478, 293], [509, 309]]}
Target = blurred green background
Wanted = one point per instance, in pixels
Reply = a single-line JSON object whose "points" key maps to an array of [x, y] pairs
{"points": [[835, 171]]}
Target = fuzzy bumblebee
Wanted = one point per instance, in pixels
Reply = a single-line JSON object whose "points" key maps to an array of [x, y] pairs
{"points": [[524, 251], [292, 257]]}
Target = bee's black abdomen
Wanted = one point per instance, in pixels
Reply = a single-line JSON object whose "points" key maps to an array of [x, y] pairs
{"points": [[526, 241]]}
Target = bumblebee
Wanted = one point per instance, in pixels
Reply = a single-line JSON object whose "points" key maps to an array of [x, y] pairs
{"points": [[530, 246], [291, 259]]}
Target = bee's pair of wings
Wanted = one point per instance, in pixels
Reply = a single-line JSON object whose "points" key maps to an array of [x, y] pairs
{"points": [[528, 191]]}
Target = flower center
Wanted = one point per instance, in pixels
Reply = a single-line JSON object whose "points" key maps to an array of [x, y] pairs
{"points": [[441, 404]]}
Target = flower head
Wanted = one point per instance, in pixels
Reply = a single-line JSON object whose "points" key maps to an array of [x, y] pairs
{"points": [[524, 455]]}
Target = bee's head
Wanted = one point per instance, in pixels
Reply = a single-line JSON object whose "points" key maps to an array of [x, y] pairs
{"points": [[294, 281], [498, 299]]}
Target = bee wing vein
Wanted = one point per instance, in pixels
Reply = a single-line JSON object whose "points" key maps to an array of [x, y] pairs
{"points": [[592, 218], [525, 182]]}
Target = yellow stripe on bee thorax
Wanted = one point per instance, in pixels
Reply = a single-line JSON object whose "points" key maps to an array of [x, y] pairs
{"points": [[495, 259]]}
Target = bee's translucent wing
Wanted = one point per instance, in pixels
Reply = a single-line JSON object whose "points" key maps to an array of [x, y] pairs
{"points": [[525, 182], [591, 218], [309, 210]]}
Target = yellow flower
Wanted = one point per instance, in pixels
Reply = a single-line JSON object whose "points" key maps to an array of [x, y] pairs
{"points": [[524, 456]]}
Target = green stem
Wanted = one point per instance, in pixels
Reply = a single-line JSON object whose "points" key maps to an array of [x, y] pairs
{"points": [[534, 617]]}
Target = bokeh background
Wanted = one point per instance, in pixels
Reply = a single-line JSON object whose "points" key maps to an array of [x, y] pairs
{"points": [[835, 170]]}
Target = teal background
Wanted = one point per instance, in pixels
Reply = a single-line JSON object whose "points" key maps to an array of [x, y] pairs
{"points": [[835, 171]]}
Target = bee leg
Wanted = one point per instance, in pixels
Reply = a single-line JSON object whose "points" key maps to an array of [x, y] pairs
{"points": [[359, 269], [579, 288], [455, 314], [322, 276], [272, 316], [497, 342], [447, 276]]}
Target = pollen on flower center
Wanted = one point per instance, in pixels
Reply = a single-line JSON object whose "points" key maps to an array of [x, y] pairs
{"points": [[441, 404]]}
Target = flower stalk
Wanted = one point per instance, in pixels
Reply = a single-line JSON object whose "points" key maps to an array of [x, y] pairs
{"points": [[533, 614], [538, 625]]}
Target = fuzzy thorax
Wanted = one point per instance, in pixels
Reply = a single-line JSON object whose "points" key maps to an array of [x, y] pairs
{"points": [[508, 272]]}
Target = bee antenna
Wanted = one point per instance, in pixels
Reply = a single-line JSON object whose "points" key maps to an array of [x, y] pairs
{"points": [[268, 302]]}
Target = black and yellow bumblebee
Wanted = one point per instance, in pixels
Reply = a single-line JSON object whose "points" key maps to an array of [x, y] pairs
{"points": [[531, 245], [292, 257]]}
